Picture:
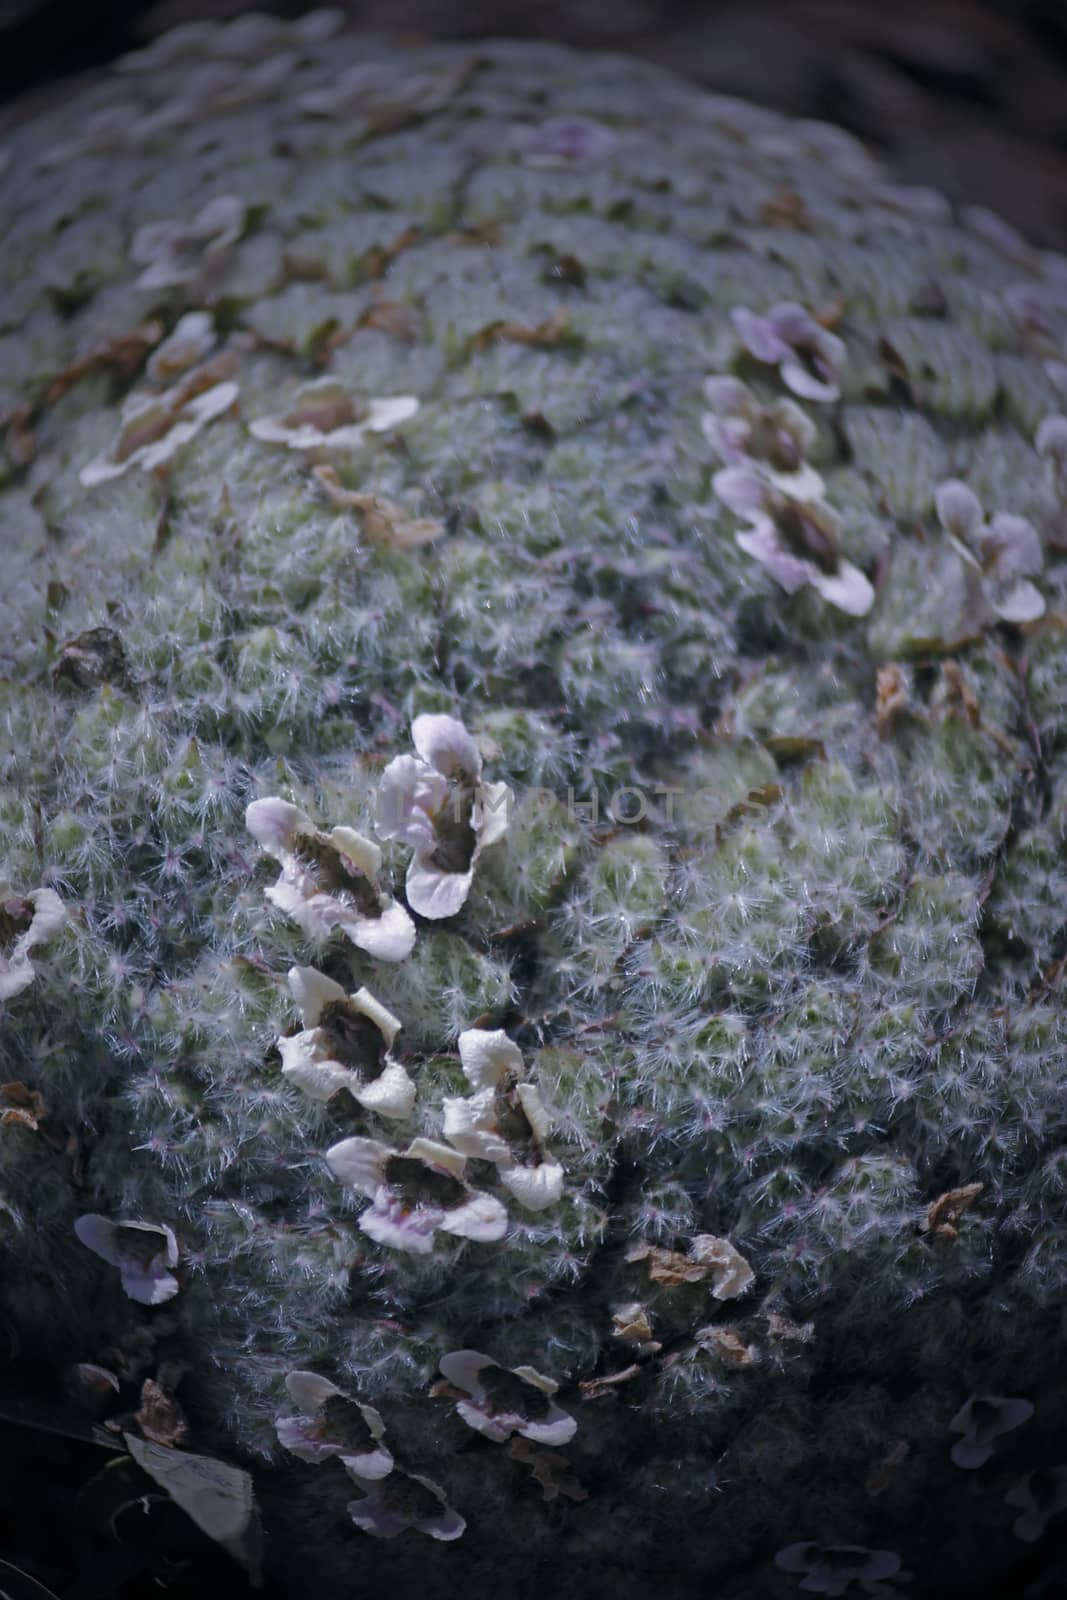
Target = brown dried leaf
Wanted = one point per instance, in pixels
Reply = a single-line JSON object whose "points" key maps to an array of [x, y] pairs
{"points": [[631, 1323], [597, 1388], [160, 1417], [943, 1214], [727, 1344], [19, 1104], [891, 698], [785, 1328], [785, 208], [551, 1470], [957, 701], [393, 317], [383, 522], [881, 1474], [552, 331], [124, 351], [91, 658], [668, 1267]]}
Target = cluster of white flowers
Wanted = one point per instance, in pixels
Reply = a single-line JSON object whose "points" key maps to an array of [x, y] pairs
{"points": [[767, 481]]}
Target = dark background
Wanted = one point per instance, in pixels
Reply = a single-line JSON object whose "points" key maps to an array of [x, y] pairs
{"points": [[967, 95]]}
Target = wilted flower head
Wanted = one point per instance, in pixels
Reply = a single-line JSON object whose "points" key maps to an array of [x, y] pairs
{"points": [[144, 1252], [26, 921], [404, 1500], [329, 880], [192, 338], [154, 427], [438, 802], [345, 1044], [798, 540], [831, 1568], [1039, 1495], [507, 1400], [325, 415], [332, 1423], [996, 554], [778, 436], [175, 253], [505, 1120], [414, 1192], [564, 142], [809, 358], [981, 1421]]}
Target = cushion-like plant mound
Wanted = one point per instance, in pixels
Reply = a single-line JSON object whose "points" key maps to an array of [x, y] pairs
{"points": [[532, 797]]}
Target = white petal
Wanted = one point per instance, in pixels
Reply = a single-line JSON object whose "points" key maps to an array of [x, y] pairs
{"points": [[98, 1233], [958, 508], [534, 1187], [49, 915], [372, 1466], [389, 413], [482, 1217], [557, 1428], [489, 1057], [761, 542], [387, 1025], [970, 1454], [491, 814], [1021, 603], [448, 1526], [462, 1367], [360, 1163], [469, 1126], [275, 823], [316, 914], [16, 975], [435, 894], [392, 1093], [847, 588], [388, 937], [309, 1391], [408, 791], [796, 377], [390, 1223], [729, 397], [149, 1289], [313, 990], [482, 1421], [446, 745], [534, 1108], [362, 852], [318, 1076], [436, 1154], [742, 489]]}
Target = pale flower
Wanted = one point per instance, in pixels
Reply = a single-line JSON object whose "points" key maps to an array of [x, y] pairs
{"points": [[832, 1568], [324, 415], [332, 1423], [798, 539], [981, 1421], [439, 803], [809, 358], [996, 553], [26, 921], [1039, 1495], [144, 1252], [778, 436], [504, 1121], [329, 880], [344, 1044], [415, 1192], [176, 253], [154, 427], [403, 1500], [564, 142], [507, 1400], [192, 338]]}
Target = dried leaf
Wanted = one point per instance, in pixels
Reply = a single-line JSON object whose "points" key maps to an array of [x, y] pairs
{"points": [[383, 522], [631, 1323], [553, 330], [882, 1474], [727, 1344], [891, 698], [551, 1470], [22, 1105], [943, 1214], [214, 1495], [91, 658], [957, 701], [597, 1388], [785, 1328], [785, 208], [393, 317], [160, 1416], [124, 351], [668, 1267]]}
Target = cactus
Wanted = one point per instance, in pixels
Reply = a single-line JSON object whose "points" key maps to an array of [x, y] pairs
{"points": [[659, 509]]}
